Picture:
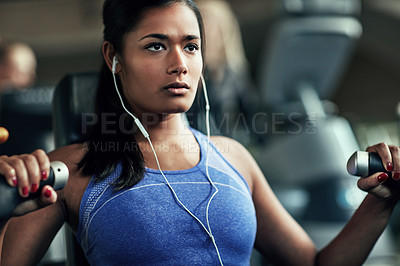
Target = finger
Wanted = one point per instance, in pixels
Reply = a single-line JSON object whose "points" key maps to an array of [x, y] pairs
{"points": [[374, 184], [44, 163], [384, 152], [8, 172], [395, 151], [33, 170], [47, 196], [367, 183], [21, 173]]}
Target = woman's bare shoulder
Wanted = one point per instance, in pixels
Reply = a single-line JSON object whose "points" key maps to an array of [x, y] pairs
{"points": [[69, 153]]}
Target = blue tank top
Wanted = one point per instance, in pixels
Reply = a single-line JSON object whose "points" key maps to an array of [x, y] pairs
{"points": [[144, 225]]}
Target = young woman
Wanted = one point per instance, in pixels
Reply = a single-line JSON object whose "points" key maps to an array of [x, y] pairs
{"points": [[193, 205]]}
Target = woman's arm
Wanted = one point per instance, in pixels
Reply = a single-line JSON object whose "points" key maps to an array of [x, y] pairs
{"points": [[354, 243], [25, 239], [3, 228], [282, 240], [360, 234]]}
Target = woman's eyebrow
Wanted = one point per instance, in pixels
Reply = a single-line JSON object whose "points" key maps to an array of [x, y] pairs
{"points": [[192, 37], [165, 37], [155, 35]]}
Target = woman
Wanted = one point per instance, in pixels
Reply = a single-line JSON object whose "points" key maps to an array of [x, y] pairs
{"points": [[125, 210]]}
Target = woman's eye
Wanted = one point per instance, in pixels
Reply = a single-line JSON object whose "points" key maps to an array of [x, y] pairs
{"points": [[155, 47], [192, 48]]}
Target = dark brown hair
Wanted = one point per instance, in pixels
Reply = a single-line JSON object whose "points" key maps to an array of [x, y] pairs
{"points": [[119, 18]]}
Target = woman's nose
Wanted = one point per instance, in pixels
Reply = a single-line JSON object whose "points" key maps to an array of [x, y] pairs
{"points": [[178, 64]]}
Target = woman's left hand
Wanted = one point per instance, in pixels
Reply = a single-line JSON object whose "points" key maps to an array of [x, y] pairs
{"points": [[383, 185]]}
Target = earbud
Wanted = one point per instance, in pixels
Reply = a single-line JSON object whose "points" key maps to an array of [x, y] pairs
{"points": [[114, 65]]}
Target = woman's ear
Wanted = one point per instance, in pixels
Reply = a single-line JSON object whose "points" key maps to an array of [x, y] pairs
{"points": [[108, 54]]}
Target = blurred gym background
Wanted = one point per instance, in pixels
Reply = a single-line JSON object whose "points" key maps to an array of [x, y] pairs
{"points": [[362, 98]]}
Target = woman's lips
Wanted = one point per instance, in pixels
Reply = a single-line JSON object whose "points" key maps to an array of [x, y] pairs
{"points": [[177, 88]]}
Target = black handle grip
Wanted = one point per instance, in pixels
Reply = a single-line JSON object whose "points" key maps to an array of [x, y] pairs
{"points": [[375, 164], [10, 198], [364, 164]]}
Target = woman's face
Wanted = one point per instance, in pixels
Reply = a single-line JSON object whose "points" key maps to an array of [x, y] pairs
{"points": [[161, 62]]}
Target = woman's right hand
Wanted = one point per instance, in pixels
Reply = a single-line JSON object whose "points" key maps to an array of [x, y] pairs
{"points": [[25, 172]]}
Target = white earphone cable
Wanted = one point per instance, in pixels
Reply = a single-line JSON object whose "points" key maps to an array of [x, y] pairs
{"points": [[203, 83], [146, 135]]}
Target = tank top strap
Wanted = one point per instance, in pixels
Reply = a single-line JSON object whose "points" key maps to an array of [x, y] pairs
{"points": [[202, 141]]}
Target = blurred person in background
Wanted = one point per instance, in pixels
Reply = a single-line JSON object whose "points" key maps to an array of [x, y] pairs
{"points": [[232, 92], [17, 65], [25, 108]]}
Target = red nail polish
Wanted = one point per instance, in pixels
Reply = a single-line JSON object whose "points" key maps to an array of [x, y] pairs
{"points": [[382, 177], [34, 188], [14, 180], [396, 176], [25, 191], [44, 175], [389, 167], [47, 193]]}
